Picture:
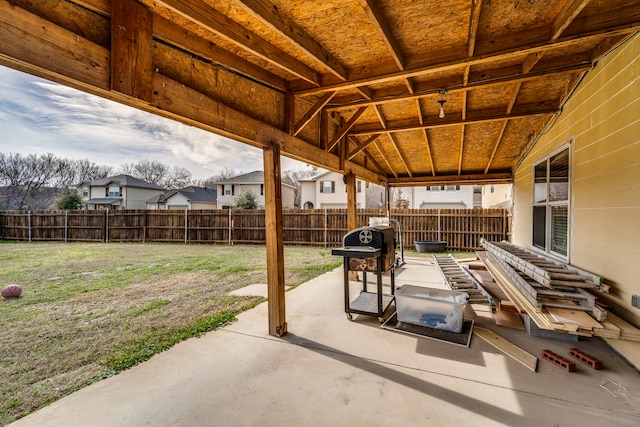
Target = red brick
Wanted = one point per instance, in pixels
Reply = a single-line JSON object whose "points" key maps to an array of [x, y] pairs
{"points": [[585, 358], [559, 360]]}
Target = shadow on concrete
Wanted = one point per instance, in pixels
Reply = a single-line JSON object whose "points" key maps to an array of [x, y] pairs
{"points": [[453, 397]]}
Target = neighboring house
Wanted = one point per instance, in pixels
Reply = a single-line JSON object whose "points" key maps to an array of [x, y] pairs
{"points": [[439, 197], [576, 193], [229, 189], [186, 198], [497, 196], [117, 192], [328, 190]]}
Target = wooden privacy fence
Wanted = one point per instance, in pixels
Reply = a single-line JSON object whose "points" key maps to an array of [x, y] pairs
{"points": [[460, 228]]}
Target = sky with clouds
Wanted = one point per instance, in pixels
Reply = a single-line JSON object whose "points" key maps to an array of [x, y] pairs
{"points": [[38, 116]]}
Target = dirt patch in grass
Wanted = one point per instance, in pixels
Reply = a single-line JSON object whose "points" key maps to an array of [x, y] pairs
{"points": [[89, 311]]}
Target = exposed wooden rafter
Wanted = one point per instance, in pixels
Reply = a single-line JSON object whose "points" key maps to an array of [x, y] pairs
{"points": [[313, 112], [272, 16], [362, 145], [570, 11], [346, 128], [214, 21], [476, 8], [377, 18], [342, 104], [478, 117], [594, 34], [490, 178]]}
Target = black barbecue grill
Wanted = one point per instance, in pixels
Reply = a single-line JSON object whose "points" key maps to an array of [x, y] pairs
{"points": [[368, 249]]}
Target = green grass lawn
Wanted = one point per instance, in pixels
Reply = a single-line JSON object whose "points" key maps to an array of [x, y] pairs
{"points": [[89, 311]]}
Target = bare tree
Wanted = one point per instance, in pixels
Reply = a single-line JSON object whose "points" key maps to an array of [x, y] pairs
{"points": [[72, 173], [151, 171], [24, 177], [225, 173], [178, 177]]}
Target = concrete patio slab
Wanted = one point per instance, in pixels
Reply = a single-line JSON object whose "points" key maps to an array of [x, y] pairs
{"points": [[330, 371]]}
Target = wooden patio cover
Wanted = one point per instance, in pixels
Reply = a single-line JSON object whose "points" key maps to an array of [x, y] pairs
{"points": [[354, 86], [349, 85]]}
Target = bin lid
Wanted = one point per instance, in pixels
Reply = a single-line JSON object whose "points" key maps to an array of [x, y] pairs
{"points": [[458, 297]]}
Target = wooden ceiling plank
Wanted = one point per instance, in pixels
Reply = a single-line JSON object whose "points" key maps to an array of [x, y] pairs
{"points": [[313, 111], [278, 21], [426, 136], [380, 22], [492, 178], [566, 16], [433, 124], [365, 92], [530, 61], [476, 8], [606, 46], [172, 34], [514, 95], [209, 18], [383, 121], [495, 146], [429, 155], [362, 145], [396, 147], [346, 128], [495, 56], [371, 159], [410, 86], [384, 157], [368, 156], [539, 74]]}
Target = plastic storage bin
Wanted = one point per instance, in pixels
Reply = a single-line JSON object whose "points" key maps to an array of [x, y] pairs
{"points": [[433, 308]]}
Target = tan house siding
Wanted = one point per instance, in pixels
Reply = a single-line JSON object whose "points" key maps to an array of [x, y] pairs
{"points": [[602, 119]]}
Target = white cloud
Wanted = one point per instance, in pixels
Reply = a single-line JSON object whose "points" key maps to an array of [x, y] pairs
{"points": [[37, 116]]}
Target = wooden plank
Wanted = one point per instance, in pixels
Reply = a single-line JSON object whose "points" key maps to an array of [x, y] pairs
{"points": [[377, 18], [564, 315], [627, 330], [346, 128], [274, 240], [188, 41], [480, 116], [274, 18], [213, 20], [508, 319], [313, 111], [521, 356], [131, 49]]}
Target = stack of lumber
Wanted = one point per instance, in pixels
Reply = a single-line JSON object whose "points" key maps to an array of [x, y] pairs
{"points": [[553, 294]]}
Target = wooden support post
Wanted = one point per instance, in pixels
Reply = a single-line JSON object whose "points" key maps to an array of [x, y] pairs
{"points": [[274, 240], [352, 210], [131, 49]]}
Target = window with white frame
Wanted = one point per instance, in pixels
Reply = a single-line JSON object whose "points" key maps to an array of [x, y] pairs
{"points": [[85, 191], [327, 186], [228, 190], [114, 191], [551, 203]]}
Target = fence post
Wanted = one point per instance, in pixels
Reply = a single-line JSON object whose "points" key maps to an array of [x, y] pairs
{"points": [[326, 225], [439, 238], [230, 227], [106, 225], [29, 225], [186, 226], [66, 225]]}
